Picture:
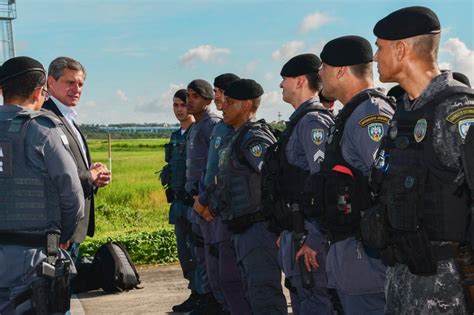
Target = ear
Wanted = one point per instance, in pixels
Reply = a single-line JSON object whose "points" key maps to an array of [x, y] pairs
{"points": [[341, 71], [300, 81], [50, 81], [400, 50], [36, 95], [247, 105]]}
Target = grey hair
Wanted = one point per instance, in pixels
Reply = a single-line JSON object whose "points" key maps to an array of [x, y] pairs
{"points": [[57, 66]]}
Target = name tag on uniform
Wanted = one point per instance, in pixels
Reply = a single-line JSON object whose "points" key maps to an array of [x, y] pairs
{"points": [[64, 140]]}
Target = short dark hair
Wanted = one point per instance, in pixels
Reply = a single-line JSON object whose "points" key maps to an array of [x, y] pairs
{"points": [[314, 81], [425, 45], [362, 71], [23, 85], [256, 104], [57, 66]]}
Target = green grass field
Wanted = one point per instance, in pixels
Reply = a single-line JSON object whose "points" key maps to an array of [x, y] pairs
{"points": [[135, 200]]}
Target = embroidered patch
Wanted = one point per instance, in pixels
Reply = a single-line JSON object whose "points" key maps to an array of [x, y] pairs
{"points": [[420, 130], [461, 114], [371, 119], [464, 127], [256, 150], [375, 131], [318, 156], [217, 143], [317, 135]]}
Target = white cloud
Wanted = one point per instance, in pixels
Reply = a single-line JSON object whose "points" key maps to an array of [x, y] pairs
{"points": [[121, 95], [250, 68], [161, 105], [269, 76], [314, 21], [288, 50], [461, 57], [317, 47], [204, 53]]}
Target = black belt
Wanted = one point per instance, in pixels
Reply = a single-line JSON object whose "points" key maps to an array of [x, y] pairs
{"points": [[24, 239], [240, 224]]}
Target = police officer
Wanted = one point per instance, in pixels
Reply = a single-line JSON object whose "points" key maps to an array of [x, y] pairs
{"points": [[426, 204], [355, 271], [42, 199], [173, 177], [303, 150], [222, 267], [199, 97], [239, 191]]}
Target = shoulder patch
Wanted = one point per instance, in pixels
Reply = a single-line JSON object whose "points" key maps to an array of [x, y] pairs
{"points": [[375, 131], [461, 114], [376, 118], [217, 143], [464, 126], [317, 135], [256, 150]]}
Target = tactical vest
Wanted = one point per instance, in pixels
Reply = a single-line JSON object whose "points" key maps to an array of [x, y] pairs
{"points": [[29, 199], [196, 155], [219, 138], [282, 183], [345, 189], [418, 191], [238, 184], [175, 156]]}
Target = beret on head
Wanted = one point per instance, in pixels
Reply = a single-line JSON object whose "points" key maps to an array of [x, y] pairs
{"points": [[458, 76], [300, 65], [17, 66], [202, 88], [224, 80], [181, 94], [244, 89], [407, 22], [347, 51]]}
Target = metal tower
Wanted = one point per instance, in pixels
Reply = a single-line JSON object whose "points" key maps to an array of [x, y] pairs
{"points": [[7, 15]]}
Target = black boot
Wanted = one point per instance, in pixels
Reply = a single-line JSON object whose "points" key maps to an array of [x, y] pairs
{"points": [[208, 306], [191, 303]]}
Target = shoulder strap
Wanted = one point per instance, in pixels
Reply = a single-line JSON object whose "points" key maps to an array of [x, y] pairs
{"points": [[237, 143], [285, 135]]}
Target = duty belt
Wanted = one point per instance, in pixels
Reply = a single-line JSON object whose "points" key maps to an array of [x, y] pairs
{"points": [[240, 224], [24, 239]]}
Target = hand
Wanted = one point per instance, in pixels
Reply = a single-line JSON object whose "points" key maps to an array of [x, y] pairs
{"points": [[203, 211], [310, 260], [65, 246], [101, 176]]}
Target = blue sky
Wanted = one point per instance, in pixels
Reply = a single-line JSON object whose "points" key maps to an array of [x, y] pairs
{"points": [[138, 53]]}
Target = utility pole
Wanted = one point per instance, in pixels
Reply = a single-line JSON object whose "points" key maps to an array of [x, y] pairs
{"points": [[279, 116], [7, 15]]}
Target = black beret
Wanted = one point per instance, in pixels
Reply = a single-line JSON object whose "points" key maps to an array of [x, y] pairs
{"points": [[396, 91], [244, 89], [300, 65], [458, 76], [181, 94], [17, 66], [202, 88], [347, 51], [407, 22], [224, 80]]}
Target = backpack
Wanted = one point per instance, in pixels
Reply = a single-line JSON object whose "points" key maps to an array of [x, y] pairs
{"points": [[115, 268]]}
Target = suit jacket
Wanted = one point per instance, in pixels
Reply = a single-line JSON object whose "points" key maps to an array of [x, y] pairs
{"points": [[87, 224]]}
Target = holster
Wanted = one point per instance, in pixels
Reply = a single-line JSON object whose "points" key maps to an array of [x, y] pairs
{"points": [[373, 227], [169, 195], [416, 251], [165, 175]]}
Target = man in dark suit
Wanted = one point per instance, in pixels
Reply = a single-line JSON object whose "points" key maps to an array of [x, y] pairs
{"points": [[65, 81]]}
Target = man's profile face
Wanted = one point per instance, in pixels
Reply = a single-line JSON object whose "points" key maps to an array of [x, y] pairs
{"points": [[327, 74], [179, 109], [195, 103], [385, 56], [218, 97], [288, 86], [68, 87], [232, 110]]}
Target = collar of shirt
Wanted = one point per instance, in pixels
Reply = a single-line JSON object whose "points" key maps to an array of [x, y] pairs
{"points": [[306, 103], [68, 112]]}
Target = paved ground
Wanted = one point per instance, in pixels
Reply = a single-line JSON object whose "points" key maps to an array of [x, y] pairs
{"points": [[163, 287]]}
